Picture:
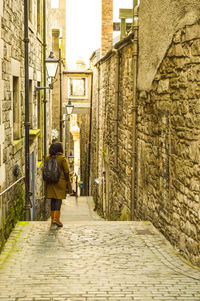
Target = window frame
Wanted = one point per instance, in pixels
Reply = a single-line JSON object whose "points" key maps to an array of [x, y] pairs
{"points": [[72, 93]]}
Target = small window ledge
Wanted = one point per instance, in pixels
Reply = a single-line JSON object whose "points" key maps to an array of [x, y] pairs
{"points": [[40, 164], [33, 134], [17, 145]]}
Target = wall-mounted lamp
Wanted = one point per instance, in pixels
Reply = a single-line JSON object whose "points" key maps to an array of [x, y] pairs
{"points": [[51, 67], [69, 107]]}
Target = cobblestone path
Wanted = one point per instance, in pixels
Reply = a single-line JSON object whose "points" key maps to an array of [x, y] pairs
{"points": [[91, 259]]}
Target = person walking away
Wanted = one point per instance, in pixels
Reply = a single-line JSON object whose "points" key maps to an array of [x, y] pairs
{"points": [[57, 191]]}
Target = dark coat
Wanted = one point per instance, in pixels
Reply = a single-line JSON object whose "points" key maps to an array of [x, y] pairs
{"points": [[59, 190]]}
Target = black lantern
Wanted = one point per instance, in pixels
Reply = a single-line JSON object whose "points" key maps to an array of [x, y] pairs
{"points": [[69, 107], [51, 65]]}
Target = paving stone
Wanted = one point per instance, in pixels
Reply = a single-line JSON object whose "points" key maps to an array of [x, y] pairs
{"points": [[93, 260]]}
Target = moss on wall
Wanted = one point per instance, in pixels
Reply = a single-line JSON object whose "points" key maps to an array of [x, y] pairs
{"points": [[15, 213], [125, 215]]}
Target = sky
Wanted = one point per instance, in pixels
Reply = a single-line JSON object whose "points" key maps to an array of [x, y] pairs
{"points": [[84, 27]]}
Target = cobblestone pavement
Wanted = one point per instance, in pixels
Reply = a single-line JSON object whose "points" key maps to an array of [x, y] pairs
{"points": [[91, 259]]}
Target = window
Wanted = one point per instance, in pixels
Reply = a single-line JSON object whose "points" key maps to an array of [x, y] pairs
{"points": [[16, 109], [38, 17], [54, 3], [30, 104], [30, 10], [77, 87]]}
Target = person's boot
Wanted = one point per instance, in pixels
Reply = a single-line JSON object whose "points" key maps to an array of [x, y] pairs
{"points": [[57, 219], [52, 216]]}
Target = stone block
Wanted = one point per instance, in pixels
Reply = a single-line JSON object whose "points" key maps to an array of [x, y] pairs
{"points": [[38, 76], [1, 89], [30, 73], [2, 174], [195, 48], [15, 68], [176, 51], [2, 136], [1, 48], [192, 32], [1, 8], [163, 86]]}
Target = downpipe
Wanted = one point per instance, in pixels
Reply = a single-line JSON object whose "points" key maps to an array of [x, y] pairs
{"points": [[44, 79], [90, 134], [117, 76], [27, 123], [134, 114]]}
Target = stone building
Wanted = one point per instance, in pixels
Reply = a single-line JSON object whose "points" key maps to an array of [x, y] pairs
{"points": [[145, 124], [12, 109], [77, 90], [57, 32]]}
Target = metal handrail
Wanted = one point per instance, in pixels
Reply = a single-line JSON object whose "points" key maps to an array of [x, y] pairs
{"points": [[16, 182]]}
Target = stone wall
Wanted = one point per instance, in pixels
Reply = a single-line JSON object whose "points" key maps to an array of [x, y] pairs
{"points": [[112, 134], [158, 21], [84, 124], [12, 111], [57, 31], [168, 151], [2, 131], [169, 145]]}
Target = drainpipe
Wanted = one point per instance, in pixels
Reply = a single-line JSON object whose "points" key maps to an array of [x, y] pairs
{"points": [[134, 113], [97, 136], [44, 78], [27, 123], [90, 134], [117, 75], [61, 109], [135, 3]]}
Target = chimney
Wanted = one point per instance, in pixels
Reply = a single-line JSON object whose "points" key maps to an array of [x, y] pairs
{"points": [[106, 26]]}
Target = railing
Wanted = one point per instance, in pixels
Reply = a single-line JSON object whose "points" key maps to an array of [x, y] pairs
{"points": [[15, 183]]}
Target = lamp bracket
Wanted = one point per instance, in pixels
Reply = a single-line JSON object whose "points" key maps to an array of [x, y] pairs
{"points": [[43, 88]]}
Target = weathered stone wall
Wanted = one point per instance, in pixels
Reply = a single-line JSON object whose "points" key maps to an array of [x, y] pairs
{"points": [[168, 145], [94, 135], [84, 124], [2, 131], [158, 21], [111, 148], [57, 32], [13, 146], [168, 151]]}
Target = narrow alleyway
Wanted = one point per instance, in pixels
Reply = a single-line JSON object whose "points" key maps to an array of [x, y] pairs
{"points": [[91, 259]]}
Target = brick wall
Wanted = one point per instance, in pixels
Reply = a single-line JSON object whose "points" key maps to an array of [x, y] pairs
{"points": [[107, 26]]}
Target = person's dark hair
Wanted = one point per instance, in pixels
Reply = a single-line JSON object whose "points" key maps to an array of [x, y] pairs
{"points": [[55, 148]]}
